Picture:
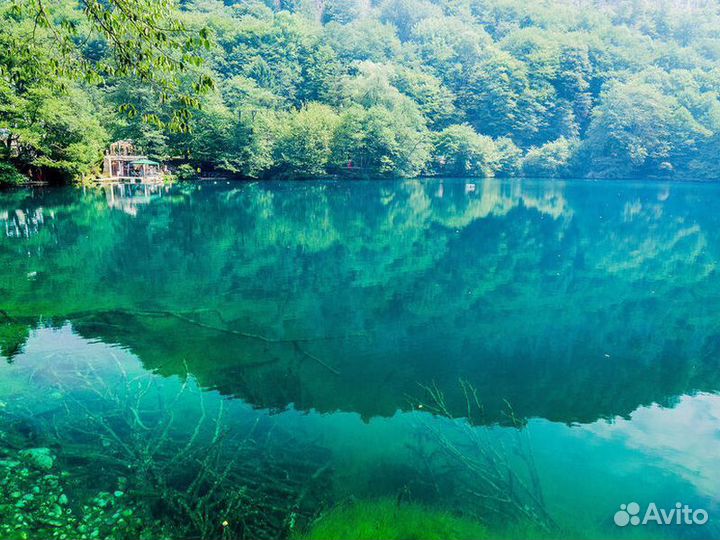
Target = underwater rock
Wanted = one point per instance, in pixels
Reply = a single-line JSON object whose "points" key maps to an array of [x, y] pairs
{"points": [[39, 457]]}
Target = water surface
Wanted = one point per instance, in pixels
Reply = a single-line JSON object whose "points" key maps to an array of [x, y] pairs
{"points": [[525, 354]]}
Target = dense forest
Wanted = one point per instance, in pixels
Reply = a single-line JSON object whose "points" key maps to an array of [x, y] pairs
{"points": [[304, 88]]}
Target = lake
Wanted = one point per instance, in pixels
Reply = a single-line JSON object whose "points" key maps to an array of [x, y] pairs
{"points": [[249, 360]]}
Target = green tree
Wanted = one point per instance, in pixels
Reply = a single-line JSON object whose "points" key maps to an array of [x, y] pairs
{"points": [[284, 54], [637, 130], [381, 141], [58, 138], [435, 101], [549, 160], [363, 39], [405, 14], [628, 90], [304, 145], [460, 151], [497, 98], [10, 176], [144, 39]]}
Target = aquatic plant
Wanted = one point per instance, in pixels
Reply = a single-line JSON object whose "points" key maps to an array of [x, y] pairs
{"points": [[388, 519], [177, 454], [498, 479]]}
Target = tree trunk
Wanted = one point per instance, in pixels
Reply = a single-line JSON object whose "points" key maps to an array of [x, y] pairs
{"points": [[319, 10]]}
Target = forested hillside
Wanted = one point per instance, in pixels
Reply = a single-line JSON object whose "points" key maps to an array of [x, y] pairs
{"points": [[304, 88]]}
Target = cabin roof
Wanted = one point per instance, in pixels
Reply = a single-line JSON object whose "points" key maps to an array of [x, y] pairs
{"points": [[144, 161]]}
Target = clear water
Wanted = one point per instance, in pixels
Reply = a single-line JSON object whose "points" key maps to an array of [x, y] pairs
{"points": [[526, 355]]}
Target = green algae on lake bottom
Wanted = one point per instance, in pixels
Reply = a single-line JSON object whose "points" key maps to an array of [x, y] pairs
{"points": [[388, 518], [264, 360]]}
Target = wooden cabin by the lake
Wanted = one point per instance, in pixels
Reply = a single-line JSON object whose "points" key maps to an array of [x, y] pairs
{"points": [[123, 163]]}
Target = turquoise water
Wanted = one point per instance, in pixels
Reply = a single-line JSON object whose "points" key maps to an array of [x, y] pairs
{"points": [[241, 360]]}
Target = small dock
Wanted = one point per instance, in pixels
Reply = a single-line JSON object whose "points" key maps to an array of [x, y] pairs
{"points": [[124, 180]]}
